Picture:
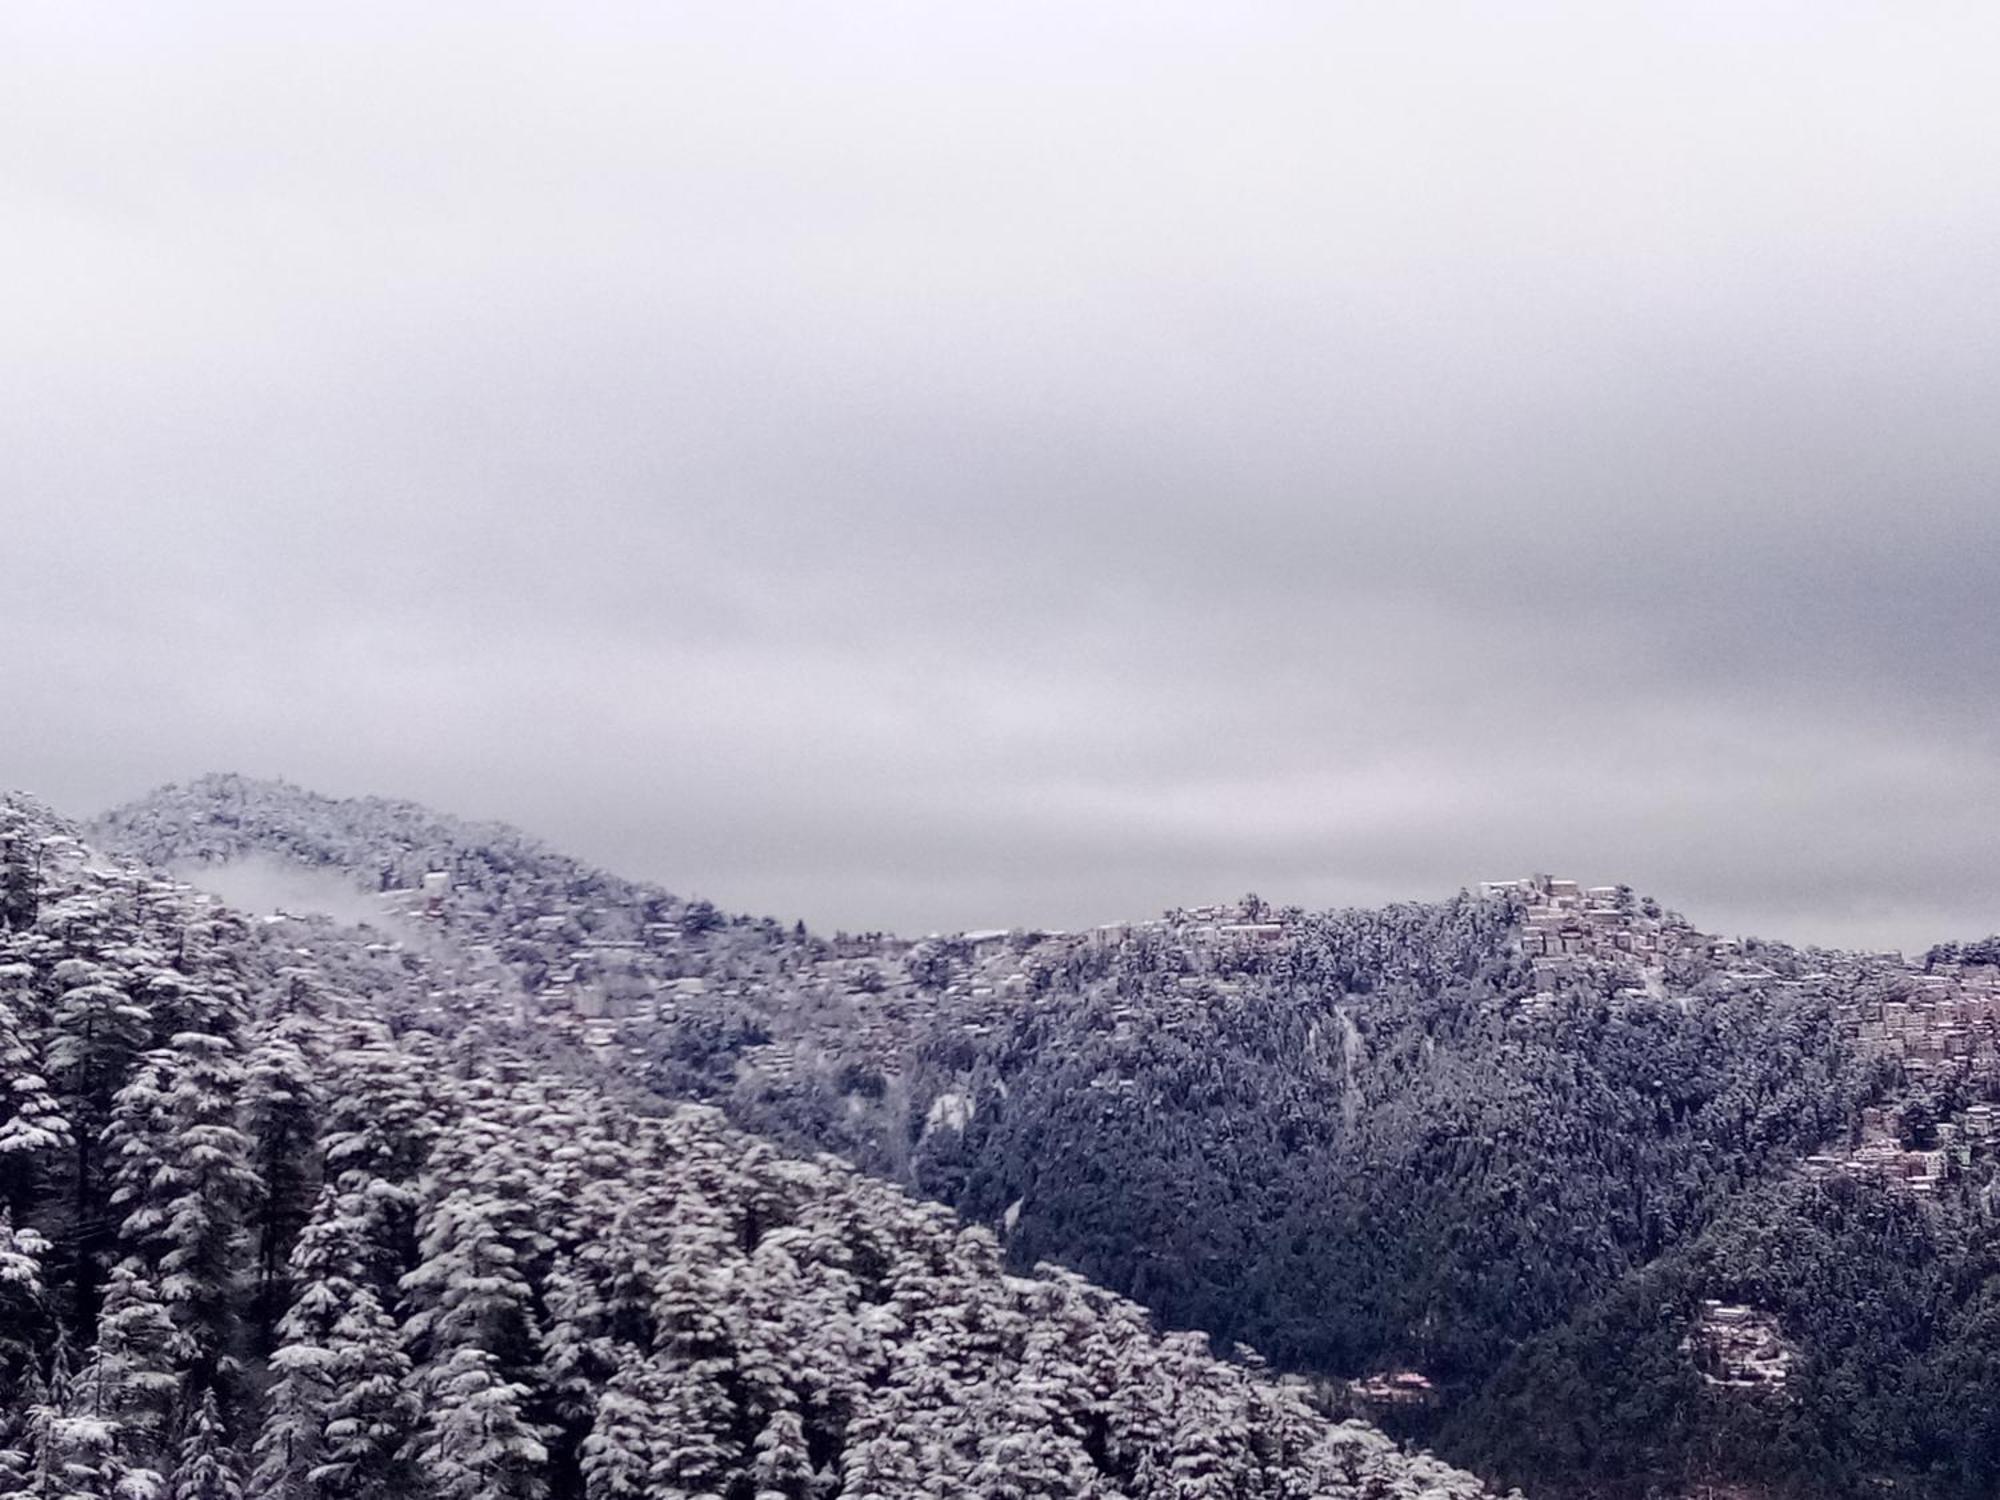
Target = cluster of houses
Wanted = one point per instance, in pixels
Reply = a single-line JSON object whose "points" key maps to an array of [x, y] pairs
{"points": [[1918, 1172], [1249, 920], [1880, 1157], [1938, 1018], [1739, 1347], [1970, 1136], [1568, 928], [1393, 1388], [1934, 1023]]}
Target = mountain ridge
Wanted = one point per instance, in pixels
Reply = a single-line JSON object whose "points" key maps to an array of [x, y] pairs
{"points": [[1417, 1154], [291, 1210]]}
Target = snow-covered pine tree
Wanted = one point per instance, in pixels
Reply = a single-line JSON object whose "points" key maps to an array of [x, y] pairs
{"points": [[136, 1145], [696, 1357], [381, 1118], [75, 1457], [695, 1455], [27, 1329], [97, 1034], [474, 1337], [581, 1357], [212, 1186], [340, 1413], [27, 1323], [281, 1108], [20, 884], [34, 1133], [626, 1439], [1029, 1463], [373, 1416], [780, 1464], [184, 1184], [23, 1418], [769, 1374], [206, 1468], [379, 1126], [174, 1001], [130, 1381], [1206, 1448], [325, 1267], [477, 1443], [880, 1460], [613, 1261], [468, 1288], [205, 989]]}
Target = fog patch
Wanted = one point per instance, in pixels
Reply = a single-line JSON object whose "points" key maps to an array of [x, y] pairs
{"points": [[263, 883]]}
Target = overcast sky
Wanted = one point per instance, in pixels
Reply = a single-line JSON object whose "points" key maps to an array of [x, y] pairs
{"points": [[936, 465]]}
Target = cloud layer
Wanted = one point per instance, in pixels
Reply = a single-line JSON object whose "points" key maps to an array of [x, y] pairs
{"points": [[926, 466]]}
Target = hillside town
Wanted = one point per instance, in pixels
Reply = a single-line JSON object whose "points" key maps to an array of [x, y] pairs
{"points": [[612, 973], [1935, 1024], [597, 969]]}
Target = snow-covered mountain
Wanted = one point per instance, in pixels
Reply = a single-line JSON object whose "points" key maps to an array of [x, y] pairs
{"points": [[295, 1208], [1543, 1175]]}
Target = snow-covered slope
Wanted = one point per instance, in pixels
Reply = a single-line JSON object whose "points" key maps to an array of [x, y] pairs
{"points": [[282, 1206]]}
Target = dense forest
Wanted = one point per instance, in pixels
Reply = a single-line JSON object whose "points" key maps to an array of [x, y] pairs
{"points": [[1369, 1145], [1411, 1175], [1377, 1154], [291, 1210], [1895, 1307]]}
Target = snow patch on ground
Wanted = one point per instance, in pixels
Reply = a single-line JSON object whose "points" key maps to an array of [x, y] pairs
{"points": [[951, 1111]]}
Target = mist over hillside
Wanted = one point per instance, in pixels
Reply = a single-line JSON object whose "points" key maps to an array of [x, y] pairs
{"points": [[266, 883]]}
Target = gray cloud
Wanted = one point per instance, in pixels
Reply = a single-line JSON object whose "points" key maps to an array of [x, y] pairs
{"points": [[927, 466]]}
